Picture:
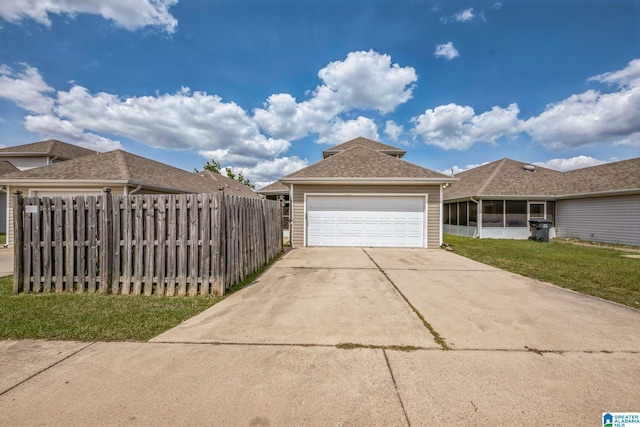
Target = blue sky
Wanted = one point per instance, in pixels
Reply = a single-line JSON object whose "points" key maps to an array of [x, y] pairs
{"points": [[265, 86]]}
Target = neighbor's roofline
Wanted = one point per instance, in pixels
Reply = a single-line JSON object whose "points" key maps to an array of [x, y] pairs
{"points": [[629, 191], [34, 154], [380, 181], [40, 183]]}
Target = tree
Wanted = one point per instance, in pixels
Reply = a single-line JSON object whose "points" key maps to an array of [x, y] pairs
{"points": [[214, 166]]}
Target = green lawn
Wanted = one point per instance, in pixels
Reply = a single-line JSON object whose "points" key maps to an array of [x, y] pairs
{"points": [[96, 317], [598, 271]]}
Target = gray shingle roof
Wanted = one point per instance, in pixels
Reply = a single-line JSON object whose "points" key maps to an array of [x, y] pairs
{"points": [[364, 142], [609, 177], [361, 162], [119, 167], [6, 167], [508, 177], [51, 147], [231, 186], [274, 188]]}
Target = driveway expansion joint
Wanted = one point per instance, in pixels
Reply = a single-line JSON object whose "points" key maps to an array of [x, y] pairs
{"points": [[395, 386], [436, 336], [46, 368]]}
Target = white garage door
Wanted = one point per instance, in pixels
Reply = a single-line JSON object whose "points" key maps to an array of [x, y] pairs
{"points": [[387, 221]]}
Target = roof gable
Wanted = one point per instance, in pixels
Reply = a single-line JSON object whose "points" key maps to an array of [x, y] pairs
{"points": [[274, 188], [364, 163], [51, 147], [364, 142]]}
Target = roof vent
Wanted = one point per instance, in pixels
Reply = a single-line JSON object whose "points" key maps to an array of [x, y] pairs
{"points": [[530, 168]]}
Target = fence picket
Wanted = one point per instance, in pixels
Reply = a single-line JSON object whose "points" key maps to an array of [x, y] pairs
{"points": [[142, 244]]}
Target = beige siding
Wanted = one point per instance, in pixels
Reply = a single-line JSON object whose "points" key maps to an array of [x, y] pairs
{"points": [[433, 213], [25, 163]]}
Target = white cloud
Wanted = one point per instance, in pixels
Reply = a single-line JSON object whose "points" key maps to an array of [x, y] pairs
{"points": [[284, 118], [341, 131], [364, 80], [447, 51], [464, 16], [52, 127], [458, 127], [592, 116], [368, 80], [184, 120], [130, 14], [268, 171], [570, 163], [393, 130], [26, 89], [628, 76]]}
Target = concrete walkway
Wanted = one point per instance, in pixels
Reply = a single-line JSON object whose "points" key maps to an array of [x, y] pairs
{"points": [[278, 353]]}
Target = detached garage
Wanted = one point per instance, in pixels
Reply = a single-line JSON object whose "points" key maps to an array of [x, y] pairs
{"points": [[363, 195], [366, 220]]}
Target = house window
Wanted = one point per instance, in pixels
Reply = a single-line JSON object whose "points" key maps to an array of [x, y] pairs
{"points": [[473, 214], [551, 212], [492, 213], [445, 213], [462, 213], [536, 210], [516, 213]]}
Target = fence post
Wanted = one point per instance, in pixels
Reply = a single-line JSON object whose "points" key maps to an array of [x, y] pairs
{"points": [[265, 236], [281, 199], [222, 258], [106, 241], [18, 242]]}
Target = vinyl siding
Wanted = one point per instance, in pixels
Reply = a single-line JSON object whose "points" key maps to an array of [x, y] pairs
{"points": [[3, 212], [605, 219], [24, 163], [433, 209]]}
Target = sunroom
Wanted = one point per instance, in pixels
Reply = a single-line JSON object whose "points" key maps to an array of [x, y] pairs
{"points": [[496, 218]]}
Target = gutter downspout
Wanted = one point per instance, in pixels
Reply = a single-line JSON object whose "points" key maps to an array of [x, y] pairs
{"points": [[128, 192]]}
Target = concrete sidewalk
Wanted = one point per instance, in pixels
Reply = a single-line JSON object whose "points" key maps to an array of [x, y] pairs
{"points": [[522, 353], [6, 261]]}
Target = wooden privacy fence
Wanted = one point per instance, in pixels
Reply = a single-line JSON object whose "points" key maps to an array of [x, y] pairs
{"points": [[185, 244]]}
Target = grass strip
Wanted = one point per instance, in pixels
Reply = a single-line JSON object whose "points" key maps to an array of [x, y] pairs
{"points": [[594, 270], [99, 317], [353, 346]]}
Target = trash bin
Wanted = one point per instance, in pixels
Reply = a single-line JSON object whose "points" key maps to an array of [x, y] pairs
{"points": [[539, 229]]}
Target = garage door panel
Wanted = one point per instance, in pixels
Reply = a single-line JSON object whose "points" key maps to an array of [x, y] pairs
{"points": [[365, 221]]}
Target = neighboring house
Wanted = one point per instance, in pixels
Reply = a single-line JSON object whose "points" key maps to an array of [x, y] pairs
{"points": [[5, 168], [29, 156], [496, 200], [601, 203], [275, 191], [230, 186], [362, 194], [43, 153], [123, 172]]}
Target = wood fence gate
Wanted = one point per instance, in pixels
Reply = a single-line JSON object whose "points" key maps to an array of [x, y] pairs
{"points": [[184, 244]]}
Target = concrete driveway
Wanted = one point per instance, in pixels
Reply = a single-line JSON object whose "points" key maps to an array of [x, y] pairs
{"points": [[520, 352]]}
